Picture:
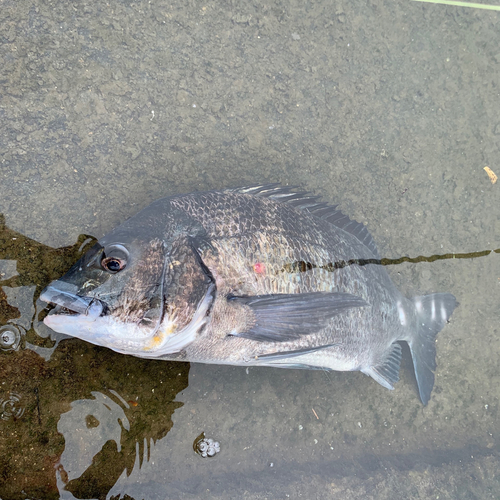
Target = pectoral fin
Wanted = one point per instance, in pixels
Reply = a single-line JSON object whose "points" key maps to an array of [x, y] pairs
{"points": [[286, 317]]}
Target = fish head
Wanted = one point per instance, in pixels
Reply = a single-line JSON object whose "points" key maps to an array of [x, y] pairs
{"points": [[137, 295]]}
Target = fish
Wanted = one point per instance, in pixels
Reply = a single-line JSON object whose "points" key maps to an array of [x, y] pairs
{"points": [[253, 276]]}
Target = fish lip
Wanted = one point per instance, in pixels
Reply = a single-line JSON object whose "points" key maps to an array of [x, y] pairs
{"points": [[68, 303], [57, 309]]}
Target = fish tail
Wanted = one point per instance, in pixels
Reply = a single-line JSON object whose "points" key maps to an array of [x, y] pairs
{"points": [[433, 312]]}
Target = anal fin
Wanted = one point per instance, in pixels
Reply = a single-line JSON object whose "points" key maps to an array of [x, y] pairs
{"points": [[387, 372]]}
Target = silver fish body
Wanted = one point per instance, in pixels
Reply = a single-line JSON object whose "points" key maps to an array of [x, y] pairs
{"points": [[251, 276]]}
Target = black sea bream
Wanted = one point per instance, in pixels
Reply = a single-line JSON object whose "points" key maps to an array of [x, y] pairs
{"points": [[258, 276]]}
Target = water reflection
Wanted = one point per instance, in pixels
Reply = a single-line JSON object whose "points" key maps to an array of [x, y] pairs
{"points": [[11, 407], [86, 428], [103, 444], [75, 419], [26, 267], [64, 432]]}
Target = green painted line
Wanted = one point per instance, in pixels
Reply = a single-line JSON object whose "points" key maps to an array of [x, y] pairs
{"points": [[462, 4]]}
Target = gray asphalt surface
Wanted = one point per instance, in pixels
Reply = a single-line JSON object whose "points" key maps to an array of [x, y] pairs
{"points": [[390, 109]]}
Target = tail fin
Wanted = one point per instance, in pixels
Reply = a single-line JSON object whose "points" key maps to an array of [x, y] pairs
{"points": [[433, 312]]}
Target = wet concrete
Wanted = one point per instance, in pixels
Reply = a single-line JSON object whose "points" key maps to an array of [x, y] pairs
{"points": [[390, 109]]}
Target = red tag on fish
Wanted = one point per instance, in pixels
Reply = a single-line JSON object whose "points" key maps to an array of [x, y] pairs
{"points": [[259, 267]]}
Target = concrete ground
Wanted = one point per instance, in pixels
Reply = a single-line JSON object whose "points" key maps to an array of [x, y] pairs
{"points": [[390, 109]]}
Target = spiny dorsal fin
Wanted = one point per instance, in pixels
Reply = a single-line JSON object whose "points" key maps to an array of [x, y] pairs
{"points": [[306, 201]]}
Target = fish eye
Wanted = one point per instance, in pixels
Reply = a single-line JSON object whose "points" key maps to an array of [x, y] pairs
{"points": [[114, 258], [113, 264]]}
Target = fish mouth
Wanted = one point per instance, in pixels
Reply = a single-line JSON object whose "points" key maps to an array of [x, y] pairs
{"points": [[67, 303], [60, 310]]}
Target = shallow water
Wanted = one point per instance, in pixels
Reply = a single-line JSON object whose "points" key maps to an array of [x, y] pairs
{"points": [[389, 109]]}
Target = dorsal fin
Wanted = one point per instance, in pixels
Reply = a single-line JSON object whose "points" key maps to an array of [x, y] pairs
{"points": [[310, 203]]}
